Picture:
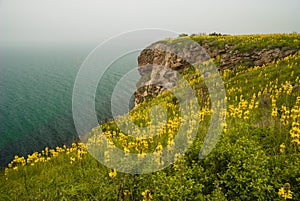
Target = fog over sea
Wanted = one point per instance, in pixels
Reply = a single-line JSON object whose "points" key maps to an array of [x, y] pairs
{"points": [[36, 85]]}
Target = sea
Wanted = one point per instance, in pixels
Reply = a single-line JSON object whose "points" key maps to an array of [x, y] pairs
{"points": [[36, 87]]}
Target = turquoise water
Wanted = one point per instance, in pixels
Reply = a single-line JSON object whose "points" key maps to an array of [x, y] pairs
{"points": [[36, 84]]}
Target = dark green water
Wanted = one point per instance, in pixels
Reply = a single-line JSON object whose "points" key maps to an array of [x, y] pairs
{"points": [[36, 84]]}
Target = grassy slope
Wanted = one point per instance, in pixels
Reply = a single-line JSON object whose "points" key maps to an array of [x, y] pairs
{"points": [[254, 158]]}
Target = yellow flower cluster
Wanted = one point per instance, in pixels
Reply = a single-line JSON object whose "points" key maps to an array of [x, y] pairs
{"points": [[46, 155], [274, 108], [243, 108], [295, 118], [282, 148], [285, 191], [112, 174], [295, 133], [147, 195], [15, 163], [285, 115], [278, 95], [156, 137], [126, 193], [79, 150]]}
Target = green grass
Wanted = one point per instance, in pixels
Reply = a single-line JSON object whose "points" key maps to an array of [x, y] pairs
{"points": [[246, 43], [246, 163]]}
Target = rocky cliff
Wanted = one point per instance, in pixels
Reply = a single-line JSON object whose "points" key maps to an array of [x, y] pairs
{"points": [[159, 65], [158, 62], [229, 57]]}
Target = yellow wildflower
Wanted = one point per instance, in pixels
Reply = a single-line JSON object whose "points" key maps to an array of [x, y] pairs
{"points": [[126, 193], [159, 147], [147, 195], [112, 173], [282, 148], [285, 191], [72, 160]]}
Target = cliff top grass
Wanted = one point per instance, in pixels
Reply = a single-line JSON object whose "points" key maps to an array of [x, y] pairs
{"points": [[244, 43], [256, 42]]}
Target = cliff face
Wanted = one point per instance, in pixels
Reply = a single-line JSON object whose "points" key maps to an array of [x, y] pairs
{"points": [[159, 63], [231, 58]]}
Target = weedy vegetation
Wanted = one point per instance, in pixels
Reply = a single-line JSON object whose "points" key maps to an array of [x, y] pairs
{"points": [[256, 157]]}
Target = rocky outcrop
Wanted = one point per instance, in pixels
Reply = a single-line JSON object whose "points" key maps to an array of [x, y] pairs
{"points": [[231, 58], [159, 65], [256, 58], [159, 62]]}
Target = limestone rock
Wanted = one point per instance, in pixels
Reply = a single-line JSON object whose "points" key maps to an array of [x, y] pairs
{"points": [[159, 63]]}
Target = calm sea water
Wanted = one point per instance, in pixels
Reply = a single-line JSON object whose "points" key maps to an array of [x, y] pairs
{"points": [[36, 84]]}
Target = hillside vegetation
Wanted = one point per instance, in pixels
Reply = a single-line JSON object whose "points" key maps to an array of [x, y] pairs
{"points": [[256, 157]]}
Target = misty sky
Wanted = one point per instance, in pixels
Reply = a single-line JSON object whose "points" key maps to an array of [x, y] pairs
{"points": [[96, 20]]}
